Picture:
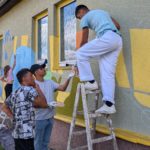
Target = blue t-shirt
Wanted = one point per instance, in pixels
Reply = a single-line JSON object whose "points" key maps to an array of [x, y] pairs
{"points": [[99, 21], [48, 88]]}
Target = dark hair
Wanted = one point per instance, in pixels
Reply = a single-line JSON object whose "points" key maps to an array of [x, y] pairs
{"points": [[79, 7], [6, 69], [22, 73]]}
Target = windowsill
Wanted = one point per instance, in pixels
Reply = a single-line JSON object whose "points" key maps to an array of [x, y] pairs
{"points": [[65, 65]]}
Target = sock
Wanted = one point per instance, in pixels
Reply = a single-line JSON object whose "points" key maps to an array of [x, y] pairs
{"points": [[108, 103], [92, 81]]}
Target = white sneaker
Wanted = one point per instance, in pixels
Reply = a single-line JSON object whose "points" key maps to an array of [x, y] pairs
{"points": [[106, 110], [91, 86]]}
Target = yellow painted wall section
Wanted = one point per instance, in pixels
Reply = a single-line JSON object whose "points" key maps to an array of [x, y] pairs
{"points": [[54, 52], [15, 44], [143, 99], [140, 47], [121, 73], [24, 40]]}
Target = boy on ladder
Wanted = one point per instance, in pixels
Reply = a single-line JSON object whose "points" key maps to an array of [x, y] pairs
{"points": [[107, 45]]}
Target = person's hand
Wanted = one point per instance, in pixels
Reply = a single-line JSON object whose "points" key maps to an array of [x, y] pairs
{"points": [[37, 87], [55, 104], [75, 70], [71, 75]]}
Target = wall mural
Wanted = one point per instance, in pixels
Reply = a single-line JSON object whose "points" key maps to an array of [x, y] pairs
{"points": [[24, 57]]}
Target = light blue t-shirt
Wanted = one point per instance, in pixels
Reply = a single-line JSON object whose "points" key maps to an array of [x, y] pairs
{"points": [[99, 21], [48, 88]]}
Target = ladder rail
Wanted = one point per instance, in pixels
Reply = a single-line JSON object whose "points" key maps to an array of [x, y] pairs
{"points": [[74, 117], [86, 117]]}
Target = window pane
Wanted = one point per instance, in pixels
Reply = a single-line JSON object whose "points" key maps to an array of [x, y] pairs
{"points": [[68, 32], [1, 43], [43, 38]]}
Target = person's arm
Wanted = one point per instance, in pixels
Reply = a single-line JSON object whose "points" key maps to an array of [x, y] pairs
{"points": [[2, 79], [116, 23], [40, 100], [14, 64], [63, 87], [7, 110], [85, 35], [6, 107]]}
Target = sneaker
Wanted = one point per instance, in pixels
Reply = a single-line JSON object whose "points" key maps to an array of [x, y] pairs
{"points": [[106, 110], [91, 86]]}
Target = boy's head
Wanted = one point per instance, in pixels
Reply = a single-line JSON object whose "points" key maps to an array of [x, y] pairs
{"points": [[39, 70], [80, 11], [25, 77]]}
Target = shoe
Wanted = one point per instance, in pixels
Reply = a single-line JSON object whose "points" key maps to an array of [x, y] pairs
{"points": [[91, 86], [106, 110]]}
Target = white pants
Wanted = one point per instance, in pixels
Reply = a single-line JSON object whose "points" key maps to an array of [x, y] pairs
{"points": [[107, 48]]}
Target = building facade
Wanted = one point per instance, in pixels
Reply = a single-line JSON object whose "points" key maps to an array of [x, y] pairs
{"points": [[50, 30]]}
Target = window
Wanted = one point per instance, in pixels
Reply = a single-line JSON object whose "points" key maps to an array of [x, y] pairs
{"points": [[67, 32], [1, 50], [41, 35]]}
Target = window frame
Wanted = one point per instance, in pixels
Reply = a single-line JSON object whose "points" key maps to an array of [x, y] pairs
{"points": [[36, 26], [59, 6]]}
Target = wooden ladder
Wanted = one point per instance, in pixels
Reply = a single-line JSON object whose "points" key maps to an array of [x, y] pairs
{"points": [[90, 132]]}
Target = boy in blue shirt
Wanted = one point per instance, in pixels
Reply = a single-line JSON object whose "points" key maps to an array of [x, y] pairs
{"points": [[44, 118], [106, 46]]}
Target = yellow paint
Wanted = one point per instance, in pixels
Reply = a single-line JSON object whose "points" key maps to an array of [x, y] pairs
{"points": [[121, 73], [15, 44], [24, 40], [36, 19], [120, 133], [54, 55], [140, 46], [3, 94], [62, 96], [143, 99]]}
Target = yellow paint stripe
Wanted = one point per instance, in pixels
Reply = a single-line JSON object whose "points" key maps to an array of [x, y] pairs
{"points": [[24, 40], [3, 94], [121, 73], [140, 46], [142, 99], [15, 44], [54, 53], [120, 133], [51, 41], [62, 96]]}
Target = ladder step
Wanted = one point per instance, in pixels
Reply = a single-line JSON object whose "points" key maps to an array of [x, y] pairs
{"points": [[92, 92], [81, 132], [80, 147], [102, 139], [95, 115]]}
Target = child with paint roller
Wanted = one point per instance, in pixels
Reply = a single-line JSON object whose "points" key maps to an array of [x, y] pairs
{"points": [[45, 117], [8, 78]]}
